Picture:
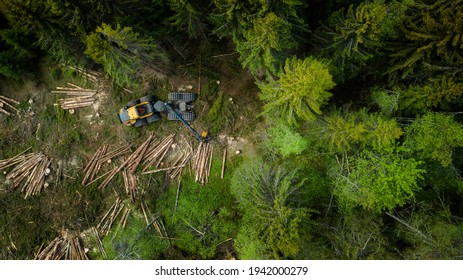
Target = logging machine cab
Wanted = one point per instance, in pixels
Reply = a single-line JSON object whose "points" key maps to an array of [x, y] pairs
{"points": [[147, 109]]}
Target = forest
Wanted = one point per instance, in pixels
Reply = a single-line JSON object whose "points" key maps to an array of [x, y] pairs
{"points": [[341, 119]]}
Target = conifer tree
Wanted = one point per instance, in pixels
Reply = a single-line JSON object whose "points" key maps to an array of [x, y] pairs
{"points": [[263, 47], [433, 40], [265, 194], [123, 53], [300, 92], [352, 38], [189, 17]]}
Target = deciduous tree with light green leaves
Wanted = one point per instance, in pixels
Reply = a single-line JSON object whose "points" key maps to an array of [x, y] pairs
{"points": [[379, 180], [434, 136], [286, 141], [300, 91]]}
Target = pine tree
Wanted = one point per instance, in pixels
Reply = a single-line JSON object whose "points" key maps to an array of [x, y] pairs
{"points": [[355, 130], [47, 22], [263, 31], [438, 92]]}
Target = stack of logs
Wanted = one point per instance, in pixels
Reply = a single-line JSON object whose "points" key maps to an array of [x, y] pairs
{"points": [[129, 166], [30, 169], [157, 154], [65, 247], [119, 207], [8, 104], [111, 215], [149, 153], [202, 162], [78, 97], [101, 157]]}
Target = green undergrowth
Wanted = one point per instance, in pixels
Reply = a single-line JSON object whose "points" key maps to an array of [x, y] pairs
{"points": [[201, 219], [134, 241]]}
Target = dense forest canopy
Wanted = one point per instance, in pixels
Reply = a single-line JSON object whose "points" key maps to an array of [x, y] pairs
{"points": [[354, 119]]}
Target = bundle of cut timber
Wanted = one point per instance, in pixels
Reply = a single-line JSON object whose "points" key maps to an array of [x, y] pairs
{"points": [[30, 169], [100, 157], [77, 97], [129, 166], [202, 162], [178, 166], [155, 156], [76, 102], [108, 219], [65, 247], [74, 90], [131, 163], [7, 105], [157, 152], [130, 183]]}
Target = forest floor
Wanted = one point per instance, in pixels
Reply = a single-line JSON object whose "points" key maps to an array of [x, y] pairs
{"points": [[71, 139]]}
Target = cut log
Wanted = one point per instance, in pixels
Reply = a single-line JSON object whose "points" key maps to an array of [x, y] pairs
{"points": [[163, 169], [9, 99], [224, 158], [63, 247]]}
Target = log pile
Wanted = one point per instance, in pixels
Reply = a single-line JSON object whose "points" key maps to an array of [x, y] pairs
{"points": [[100, 157], [157, 152], [202, 162], [150, 153], [181, 162], [156, 155], [30, 170], [63, 247], [130, 183], [108, 219], [7, 105], [76, 102], [129, 166], [77, 97]]}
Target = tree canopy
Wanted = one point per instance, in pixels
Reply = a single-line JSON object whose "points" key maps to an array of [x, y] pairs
{"points": [[338, 125], [300, 91]]}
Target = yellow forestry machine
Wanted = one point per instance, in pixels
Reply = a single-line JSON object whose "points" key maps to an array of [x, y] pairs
{"points": [[147, 109]]}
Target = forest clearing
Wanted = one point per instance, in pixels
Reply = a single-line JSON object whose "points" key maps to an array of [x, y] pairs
{"points": [[335, 130]]}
